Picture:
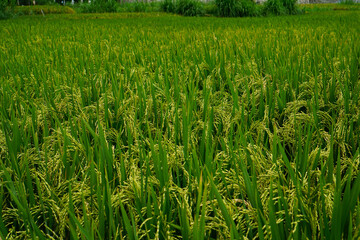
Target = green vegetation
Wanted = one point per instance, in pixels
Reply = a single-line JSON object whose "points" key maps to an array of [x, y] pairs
{"points": [[280, 7], [237, 8], [190, 8], [154, 126], [139, 7], [99, 6], [329, 7], [221, 8], [6, 7], [43, 9]]}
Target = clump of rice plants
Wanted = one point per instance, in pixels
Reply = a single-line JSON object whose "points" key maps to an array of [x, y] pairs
{"points": [[183, 7], [237, 8], [168, 6], [155, 126], [43, 10], [328, 7], [280, 7], [190, 8]]}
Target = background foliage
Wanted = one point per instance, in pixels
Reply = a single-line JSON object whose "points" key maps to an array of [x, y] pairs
{"points": [[6, 8]]}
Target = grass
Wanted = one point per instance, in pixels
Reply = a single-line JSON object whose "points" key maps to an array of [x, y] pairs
{"points": [[329, 7], [154, 126], [43, 9]]}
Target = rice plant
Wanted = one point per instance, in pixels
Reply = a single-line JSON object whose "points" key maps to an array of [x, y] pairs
{"points": [[154, 126]]}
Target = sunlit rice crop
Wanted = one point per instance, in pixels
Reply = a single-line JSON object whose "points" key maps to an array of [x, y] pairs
{"points": [[153, 126]]}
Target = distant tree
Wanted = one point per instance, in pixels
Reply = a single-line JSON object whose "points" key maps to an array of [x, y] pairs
{"points": [[24, 2], [6, 8]]}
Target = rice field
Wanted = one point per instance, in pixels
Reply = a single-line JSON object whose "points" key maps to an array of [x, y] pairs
{"points": [[156, 126]]}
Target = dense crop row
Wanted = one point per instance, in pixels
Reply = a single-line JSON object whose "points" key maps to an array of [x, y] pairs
{"points": [[144, 126]]}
